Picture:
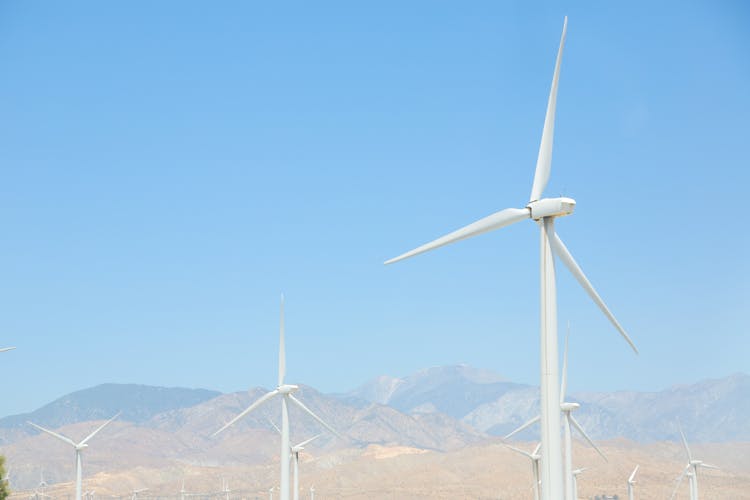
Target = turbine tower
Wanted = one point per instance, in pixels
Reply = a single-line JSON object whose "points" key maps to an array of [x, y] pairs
{"points": [[691, 469], [79, 447], [543, 211], [285, 391], [631, 482], [534, 456]]}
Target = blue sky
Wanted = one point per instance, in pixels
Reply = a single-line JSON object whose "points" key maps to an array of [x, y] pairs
{"points": [[169, 168]]}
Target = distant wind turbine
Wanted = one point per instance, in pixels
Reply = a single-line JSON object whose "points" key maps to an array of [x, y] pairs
{"points": [[285, 391], [691, 469], [295, 451], [575, 475], [544, 211], [569, 420], [631, 483], [312, 492], [534, 456], [79, 447]]}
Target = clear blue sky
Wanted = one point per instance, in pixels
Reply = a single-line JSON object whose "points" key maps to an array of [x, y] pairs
{"points": [[169, 168]]}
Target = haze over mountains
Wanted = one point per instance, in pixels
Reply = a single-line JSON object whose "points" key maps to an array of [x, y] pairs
{"points": [[439, 409]]}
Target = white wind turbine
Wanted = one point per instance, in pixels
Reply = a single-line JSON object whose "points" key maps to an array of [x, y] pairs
{"points": [[631, 483], [312, 492], [295, 451], [575, 475], [544, 211], [690, 470], [569, 420], [534, 456], [285, 391], [79, 447]]}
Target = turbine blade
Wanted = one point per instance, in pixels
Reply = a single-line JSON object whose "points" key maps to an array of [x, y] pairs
{"points": [[544, 160], [313, 415], [7, 349], [282, 353], [565, 256], [52, 433], [100, 428], [586, 436], [632, 476], [679, 480], [684, 441], [564, 384], [490, 223], [274, 426], [250, 408], [538, 447], [304, 443], [709, 466], [523, 427], [518, 450]]}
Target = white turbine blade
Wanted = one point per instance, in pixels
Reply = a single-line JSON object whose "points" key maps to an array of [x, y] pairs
{"points": [[304, 443], [565, 256], [586, 436], [313, 415], [684, 442], [518, 450], [564, 384], [282, 354], [632, 476], [709, 466], [538, 447], [679, 480], [274, 426], [100, 428], [490, 223], [250, 408], [52, 433], [7, 349], [523, 427], [544, 160]]}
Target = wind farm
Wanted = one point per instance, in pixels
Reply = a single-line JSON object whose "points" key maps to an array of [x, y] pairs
{"points": [[174, 168]]}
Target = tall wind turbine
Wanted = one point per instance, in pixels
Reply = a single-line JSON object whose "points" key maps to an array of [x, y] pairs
{"points": [[544, 211], [631, 483], [534, 456], [568, 421], [79, 447], [295, 451], [691, 469], [285, 391]]}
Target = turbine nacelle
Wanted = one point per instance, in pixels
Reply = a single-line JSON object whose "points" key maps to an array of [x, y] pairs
{"points": [[81, 447], [551, 207], [287, 388], [569, 406]]}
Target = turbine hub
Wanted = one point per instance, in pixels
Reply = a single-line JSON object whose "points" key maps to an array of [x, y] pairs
{"points": [[287, 388], [551, 207], [81, 447]]}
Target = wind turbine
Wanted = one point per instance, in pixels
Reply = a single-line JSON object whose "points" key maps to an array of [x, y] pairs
{"points": [[631, 482], [295, 451], [225, 487], [567, 410], [544, 211], [574, 475], [569, 420], [691, 469], [285, 391], [79, 447], [534, 456], [312, 492]]}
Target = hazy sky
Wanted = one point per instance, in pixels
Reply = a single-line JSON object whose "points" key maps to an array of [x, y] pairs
{"points": [[169, 168]]}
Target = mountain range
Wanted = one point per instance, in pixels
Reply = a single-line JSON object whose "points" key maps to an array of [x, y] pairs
{"points": [[438, 409]]}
